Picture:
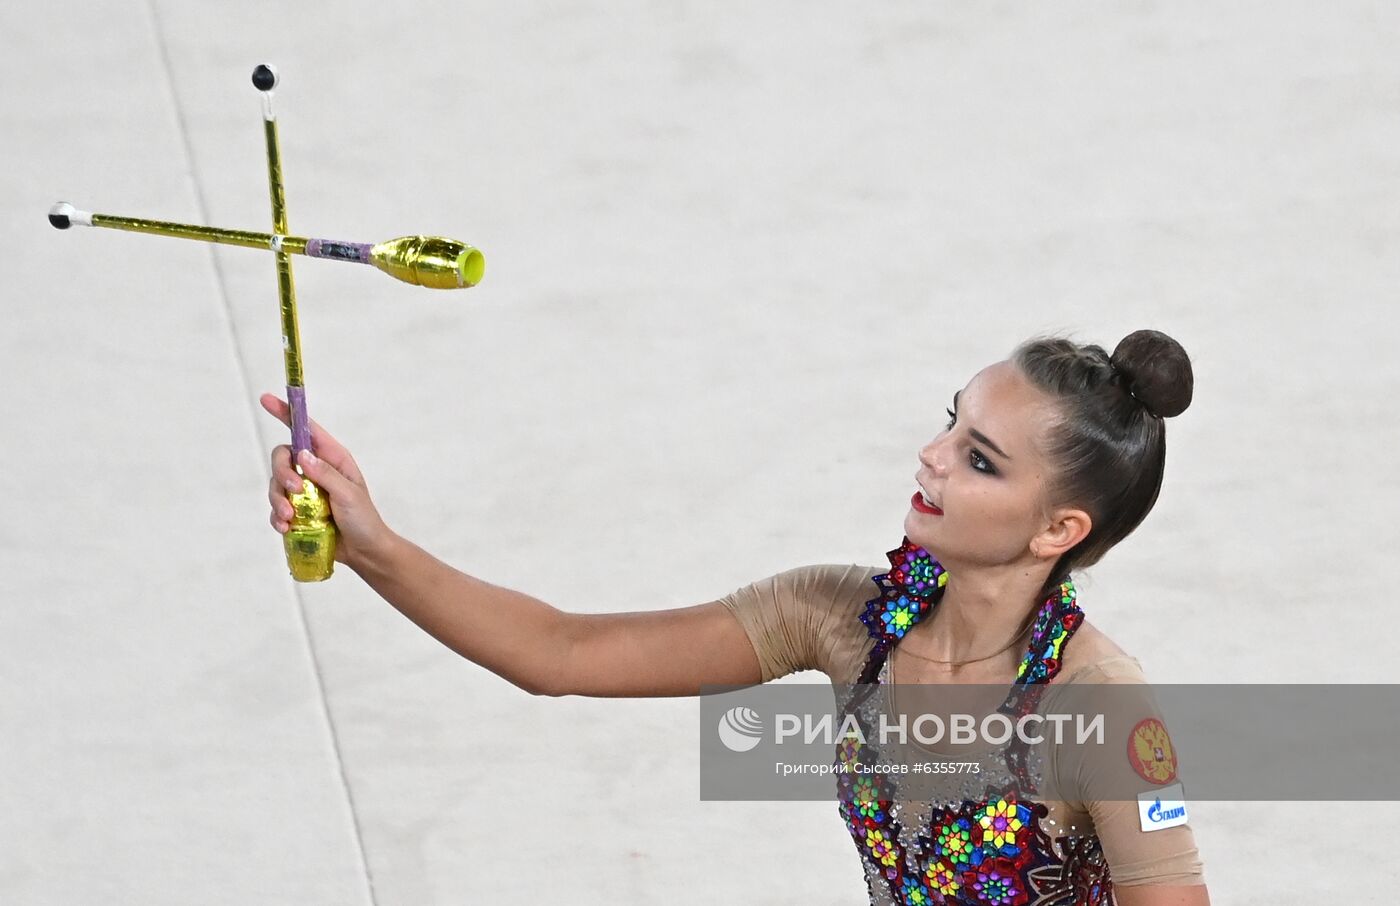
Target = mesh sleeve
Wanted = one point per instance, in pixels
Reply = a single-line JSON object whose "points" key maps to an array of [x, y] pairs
{"points": [[1130, 785], [806, 618]]}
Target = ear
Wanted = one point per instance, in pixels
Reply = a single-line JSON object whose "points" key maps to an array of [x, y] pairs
{"points": [[1067, 527]]}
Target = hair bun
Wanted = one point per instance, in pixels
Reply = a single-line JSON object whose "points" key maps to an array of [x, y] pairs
{"points": [[1156, 370]]}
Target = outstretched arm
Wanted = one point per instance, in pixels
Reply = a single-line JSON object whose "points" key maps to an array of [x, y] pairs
{"points": [[547, 651], [541, 649]]}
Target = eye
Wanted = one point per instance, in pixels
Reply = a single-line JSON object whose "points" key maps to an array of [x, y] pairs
{"points": [[979, 462]]}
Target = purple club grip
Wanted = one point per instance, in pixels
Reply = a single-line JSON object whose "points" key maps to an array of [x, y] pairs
{"points": [[301, 422], [340, 251]]}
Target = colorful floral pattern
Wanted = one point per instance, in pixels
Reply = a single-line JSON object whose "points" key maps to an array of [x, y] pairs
{"points": [[993, 852], [942, 878], [916, 893], [865, 796], [914, 577], [848, 749], [899, 615], [995, 882], [1059, 617], [882, 847], [952, 842], [1005, 827], [915, 570]]}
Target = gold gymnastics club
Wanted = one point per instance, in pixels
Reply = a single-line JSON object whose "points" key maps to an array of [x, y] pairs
{"points": [[310, 539], [431, 261]]}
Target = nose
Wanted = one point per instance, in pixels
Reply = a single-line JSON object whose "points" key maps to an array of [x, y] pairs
{"points": [[931, 455]]}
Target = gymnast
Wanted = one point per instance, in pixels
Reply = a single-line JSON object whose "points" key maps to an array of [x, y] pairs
{"points": [[1048, 459]]}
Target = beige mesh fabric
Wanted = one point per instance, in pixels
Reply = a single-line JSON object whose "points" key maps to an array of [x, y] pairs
{"points": [[808, 618], [1165, 856]]}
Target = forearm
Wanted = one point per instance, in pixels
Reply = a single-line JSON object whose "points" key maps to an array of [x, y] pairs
{"points": [[520, 638]]}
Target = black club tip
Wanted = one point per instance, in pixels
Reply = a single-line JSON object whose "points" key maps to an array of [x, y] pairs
{"points": [[264, 77], [61, 221]]}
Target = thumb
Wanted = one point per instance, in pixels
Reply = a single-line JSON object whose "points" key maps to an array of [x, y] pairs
{"points": [[325, 475]]}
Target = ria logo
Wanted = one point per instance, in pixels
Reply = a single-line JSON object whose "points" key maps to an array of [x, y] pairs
{"points": [[740, 729]]}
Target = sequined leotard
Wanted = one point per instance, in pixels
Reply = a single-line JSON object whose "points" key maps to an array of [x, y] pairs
{"points": [[997, 845]]}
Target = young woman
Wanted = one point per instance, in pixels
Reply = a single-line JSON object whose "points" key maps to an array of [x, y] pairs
{"points": [[1048, 460]]}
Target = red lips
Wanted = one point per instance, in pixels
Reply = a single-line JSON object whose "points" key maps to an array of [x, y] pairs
{"points": [[918, 502]]}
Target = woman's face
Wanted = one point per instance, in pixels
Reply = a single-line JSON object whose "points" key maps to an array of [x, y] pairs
{"points": [[986, 473]]}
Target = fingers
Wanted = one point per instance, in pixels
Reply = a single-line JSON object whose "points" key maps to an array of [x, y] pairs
{"points": [[277, 499], [325, 445], [327, 476], [283, 475], [282, 513], [278, 407]]}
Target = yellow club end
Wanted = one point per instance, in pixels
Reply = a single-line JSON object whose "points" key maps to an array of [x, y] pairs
{"points": [[432, 261], [471, 266], [311, 536]]}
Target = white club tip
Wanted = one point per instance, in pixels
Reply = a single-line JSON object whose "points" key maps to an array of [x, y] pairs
{"points": [[63, 215]]}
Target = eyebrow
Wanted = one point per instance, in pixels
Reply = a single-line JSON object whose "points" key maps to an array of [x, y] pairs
{"points": [[979, 436]]}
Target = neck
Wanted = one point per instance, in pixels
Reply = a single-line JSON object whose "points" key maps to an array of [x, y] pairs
{"points": [[982, 608]]}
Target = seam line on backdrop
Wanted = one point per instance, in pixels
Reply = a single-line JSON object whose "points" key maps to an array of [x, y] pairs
{"points": [[226, 312]]}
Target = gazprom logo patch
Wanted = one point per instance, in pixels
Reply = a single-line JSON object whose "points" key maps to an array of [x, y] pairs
{"points": [[740, 729], [1160, 809]]}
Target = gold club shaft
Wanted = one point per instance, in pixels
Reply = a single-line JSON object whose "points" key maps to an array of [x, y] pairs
{"points": [[310, 540], [286, 290], [432, 261], [246, 238]]}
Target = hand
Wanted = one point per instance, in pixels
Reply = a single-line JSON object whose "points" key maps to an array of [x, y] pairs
{"points": [[362, 531]]}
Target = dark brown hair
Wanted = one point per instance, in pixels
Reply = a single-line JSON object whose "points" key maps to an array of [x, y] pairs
{"points": [[1110, 444]]}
